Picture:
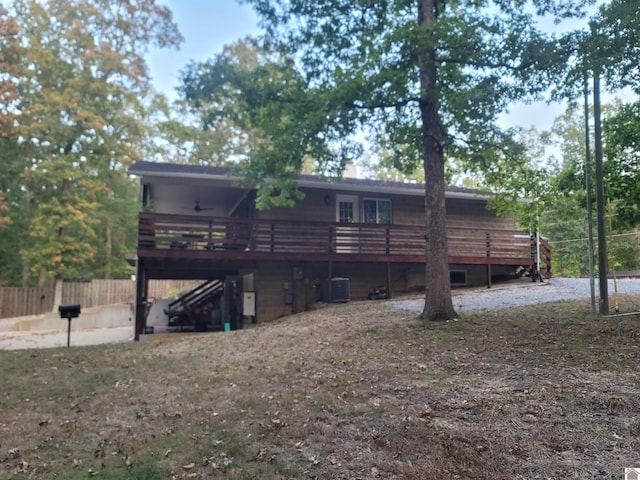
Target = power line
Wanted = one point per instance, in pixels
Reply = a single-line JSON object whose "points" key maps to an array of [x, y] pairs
{"points": [[585, 238]]}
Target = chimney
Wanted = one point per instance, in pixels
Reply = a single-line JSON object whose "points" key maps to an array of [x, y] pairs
{"points": [[350, 170]]}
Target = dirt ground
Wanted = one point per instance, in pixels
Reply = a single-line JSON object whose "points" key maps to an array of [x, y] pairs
{"points": [[355, 391]]}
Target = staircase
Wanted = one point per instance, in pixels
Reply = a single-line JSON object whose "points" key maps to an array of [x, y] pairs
{"points": [[197, 309]]}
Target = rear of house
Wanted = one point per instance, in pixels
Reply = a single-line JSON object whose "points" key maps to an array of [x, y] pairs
{"points": [[346, 240]]}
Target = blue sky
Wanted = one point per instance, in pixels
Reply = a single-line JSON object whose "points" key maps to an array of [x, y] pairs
{"points": [[207, 26]]}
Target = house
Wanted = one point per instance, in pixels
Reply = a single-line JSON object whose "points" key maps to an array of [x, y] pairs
{"points": [[348, 239]]}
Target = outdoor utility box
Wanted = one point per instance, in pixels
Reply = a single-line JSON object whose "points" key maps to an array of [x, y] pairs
{"points": [[249, 304], [340, 290]]}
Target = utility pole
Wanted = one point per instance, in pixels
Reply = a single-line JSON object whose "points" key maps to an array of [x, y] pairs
{"points": [[587, 176], [603, 264]]}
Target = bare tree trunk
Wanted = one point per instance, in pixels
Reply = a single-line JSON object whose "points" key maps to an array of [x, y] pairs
{"points": [[437, 304], [109, 248], [109, 232], [57, 292]]}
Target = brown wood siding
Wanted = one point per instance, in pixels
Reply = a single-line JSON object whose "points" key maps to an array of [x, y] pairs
{"points": [[312, 208], [406, 278], [269, 284], [363, 277], [406, 210], [474, 214]]}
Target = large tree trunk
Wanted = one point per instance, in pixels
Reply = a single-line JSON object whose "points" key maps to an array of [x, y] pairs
{"points": [[437, 302]]}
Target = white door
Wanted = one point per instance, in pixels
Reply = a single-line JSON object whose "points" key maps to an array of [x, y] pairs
{"points": [[347, 212]]}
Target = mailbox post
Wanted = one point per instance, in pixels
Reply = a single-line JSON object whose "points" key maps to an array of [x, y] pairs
{"points": [[69, 311]]}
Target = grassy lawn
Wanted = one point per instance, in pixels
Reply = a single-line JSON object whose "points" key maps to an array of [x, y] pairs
{"points": [[354, 391]]}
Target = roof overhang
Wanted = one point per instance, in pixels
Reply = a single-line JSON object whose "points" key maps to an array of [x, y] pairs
{"points": [[148, 171]]}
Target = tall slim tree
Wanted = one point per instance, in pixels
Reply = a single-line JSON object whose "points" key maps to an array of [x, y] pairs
{"points": [[82, 86], [11, 202], [429, 76]]}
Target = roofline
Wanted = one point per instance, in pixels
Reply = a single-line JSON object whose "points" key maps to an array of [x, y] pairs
{"points": [[317, 183], [388, 189]]}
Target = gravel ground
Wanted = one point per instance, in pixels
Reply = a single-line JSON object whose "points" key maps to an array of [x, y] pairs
{"points": [[525, 292], [512, 294]]}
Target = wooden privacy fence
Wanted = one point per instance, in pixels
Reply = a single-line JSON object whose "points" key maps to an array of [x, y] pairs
{"points": [[19, 302]]}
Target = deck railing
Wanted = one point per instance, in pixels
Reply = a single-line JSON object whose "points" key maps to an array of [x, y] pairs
{"points": [[261, 238]]}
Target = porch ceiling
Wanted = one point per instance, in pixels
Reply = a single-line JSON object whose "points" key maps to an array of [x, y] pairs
{"points": [[192, 269]]}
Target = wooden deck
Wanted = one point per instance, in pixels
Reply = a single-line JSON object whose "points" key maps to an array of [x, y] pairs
{"points": [[202, 238]]}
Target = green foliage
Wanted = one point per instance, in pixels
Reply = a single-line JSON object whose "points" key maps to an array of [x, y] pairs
{"points": [[282, 121], [521, 178], [79, 86], [565, 223], [147, 469], [425, 81], [613, 43], [624, 252], [622, 151]]}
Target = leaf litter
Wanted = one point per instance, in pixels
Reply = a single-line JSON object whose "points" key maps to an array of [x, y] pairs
{"points": [[360, 390]]}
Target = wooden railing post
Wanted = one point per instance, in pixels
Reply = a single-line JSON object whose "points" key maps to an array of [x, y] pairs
{"points": [[272, 242], [331, 239], [388, 240], [534, 268]]}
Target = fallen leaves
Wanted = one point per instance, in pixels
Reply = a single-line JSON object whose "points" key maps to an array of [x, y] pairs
{"points": [[324, 401], [426, 412]]}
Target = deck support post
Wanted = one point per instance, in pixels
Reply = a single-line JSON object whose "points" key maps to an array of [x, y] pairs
{"points": [[329, 282], [389, 279], [142, 288], [487, 236], [227, 302]]}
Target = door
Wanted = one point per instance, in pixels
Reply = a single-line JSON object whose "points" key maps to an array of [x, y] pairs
{"points": [[347, 212]]}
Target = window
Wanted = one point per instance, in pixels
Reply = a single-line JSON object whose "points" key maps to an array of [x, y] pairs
{"points": [[377, 211], [345, 212], [458, 277]]}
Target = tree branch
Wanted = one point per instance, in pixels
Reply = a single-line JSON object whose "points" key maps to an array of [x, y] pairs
{"points": [[375, 106]]}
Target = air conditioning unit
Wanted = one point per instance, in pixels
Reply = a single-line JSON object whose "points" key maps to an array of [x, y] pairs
{"points": [[340, 290]]}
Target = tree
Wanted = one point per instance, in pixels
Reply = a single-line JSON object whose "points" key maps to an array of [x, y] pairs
{"points": [[82, 85], [622, 151], [4, 220], [281, 123], [427, 78], [11, 194], [564, 222], [613, 43]]}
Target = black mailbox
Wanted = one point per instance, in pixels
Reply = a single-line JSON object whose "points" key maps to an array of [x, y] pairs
{"points": [[69, 310]]}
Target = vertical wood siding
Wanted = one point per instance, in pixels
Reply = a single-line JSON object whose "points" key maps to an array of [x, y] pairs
{"points": [[19, 302]]}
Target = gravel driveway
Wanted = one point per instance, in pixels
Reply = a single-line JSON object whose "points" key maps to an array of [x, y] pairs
{"points": [[525, 293]]}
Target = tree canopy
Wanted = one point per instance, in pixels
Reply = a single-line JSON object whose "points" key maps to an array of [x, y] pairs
{"points": [[424, 80], [77, 83]]}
